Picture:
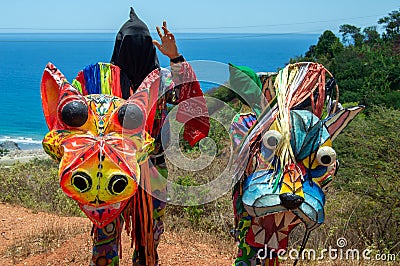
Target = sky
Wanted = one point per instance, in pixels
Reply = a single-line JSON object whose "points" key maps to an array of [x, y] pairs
{"points": [[234, 16]]}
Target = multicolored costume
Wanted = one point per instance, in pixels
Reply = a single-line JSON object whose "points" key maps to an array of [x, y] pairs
{"points": [[106, 134], [285, 158], [104, 143]]}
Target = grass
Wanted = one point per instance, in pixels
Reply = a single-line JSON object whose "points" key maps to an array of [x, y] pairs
{"points": [[214, 218], [35, 185]]}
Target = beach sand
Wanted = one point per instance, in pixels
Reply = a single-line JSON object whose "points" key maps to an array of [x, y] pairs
{"points": [[22, 156]]}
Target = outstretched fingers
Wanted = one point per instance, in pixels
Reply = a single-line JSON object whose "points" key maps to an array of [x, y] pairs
{"points": [[164, 26], [159, 32], [157, 44], [167, 44]]}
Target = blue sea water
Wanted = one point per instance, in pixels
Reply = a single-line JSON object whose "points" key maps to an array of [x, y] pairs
{"points": [[24, 56]]}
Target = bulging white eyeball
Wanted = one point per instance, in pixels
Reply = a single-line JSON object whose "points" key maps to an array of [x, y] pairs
{"points": [[326, 156], [271, 139]]}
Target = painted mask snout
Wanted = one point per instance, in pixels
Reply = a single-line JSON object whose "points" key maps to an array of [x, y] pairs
{"points": [[115, 185], [291, 194]]}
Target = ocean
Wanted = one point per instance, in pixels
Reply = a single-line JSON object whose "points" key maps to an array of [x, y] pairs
{"points": [[24, 56]]}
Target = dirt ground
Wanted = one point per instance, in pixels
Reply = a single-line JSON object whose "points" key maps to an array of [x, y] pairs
{"points": [[26, 234]]}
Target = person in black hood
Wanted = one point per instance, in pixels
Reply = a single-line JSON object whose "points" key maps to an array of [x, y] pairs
{"points": [[136, 55], [134, 51]]}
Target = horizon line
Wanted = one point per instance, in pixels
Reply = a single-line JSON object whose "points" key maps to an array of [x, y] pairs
{"points": [[151, 32]]}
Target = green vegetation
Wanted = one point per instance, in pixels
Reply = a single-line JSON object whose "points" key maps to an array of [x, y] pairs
{"points": [[365, 64], [215, 217], [368, 180], [192, 213], [35, 185], [3, 152], [223, 93], [218, 138]]}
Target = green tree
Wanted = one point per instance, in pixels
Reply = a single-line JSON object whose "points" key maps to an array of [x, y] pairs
{"points": [[311, 52], [328, 45], [368, 71], [371, 35], [324, 51], [351, 35], [392, 25]]}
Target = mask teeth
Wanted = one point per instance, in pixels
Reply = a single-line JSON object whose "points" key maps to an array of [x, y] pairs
{"points": [[114, 206]]}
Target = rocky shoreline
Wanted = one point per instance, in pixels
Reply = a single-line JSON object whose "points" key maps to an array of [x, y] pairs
{"points": [[9, 145], [10, 153]]}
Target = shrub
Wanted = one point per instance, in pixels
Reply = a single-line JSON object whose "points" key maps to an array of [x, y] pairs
{"points": [[35, 185]]}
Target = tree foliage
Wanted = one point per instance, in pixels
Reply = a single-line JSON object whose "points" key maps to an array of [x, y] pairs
{"points": [[391, 24], [351, 34], [371, 35], [365, 64], [328, 45]]}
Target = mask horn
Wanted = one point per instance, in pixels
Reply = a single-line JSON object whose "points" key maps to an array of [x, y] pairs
{"points": [[52, 80], [145, 99], [55, 88], [338, 121]]}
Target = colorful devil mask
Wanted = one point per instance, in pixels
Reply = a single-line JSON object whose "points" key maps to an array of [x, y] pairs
{"points": [[99, 139], [285, 156]]}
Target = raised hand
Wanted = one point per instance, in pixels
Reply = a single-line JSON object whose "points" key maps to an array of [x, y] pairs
{"points": [[168, 45]]}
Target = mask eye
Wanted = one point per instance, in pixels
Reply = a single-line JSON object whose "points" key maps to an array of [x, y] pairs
{"points": [[326, 156], [82, 182], [74, 113], [271, 139], [130, 116], [117, 184]]}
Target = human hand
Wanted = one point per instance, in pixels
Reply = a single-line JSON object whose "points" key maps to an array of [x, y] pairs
{"points": [[168, 45]]}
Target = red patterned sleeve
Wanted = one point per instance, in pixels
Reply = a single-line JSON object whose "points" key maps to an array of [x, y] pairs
{"points": [[192, 108]]}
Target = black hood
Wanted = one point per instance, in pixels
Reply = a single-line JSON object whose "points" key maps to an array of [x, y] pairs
{"points": [[134, 51]]}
